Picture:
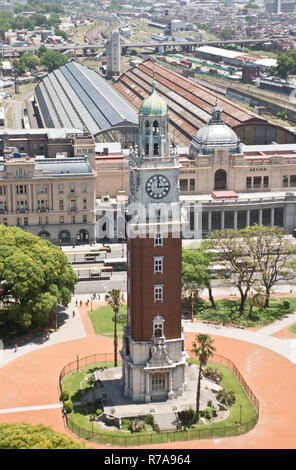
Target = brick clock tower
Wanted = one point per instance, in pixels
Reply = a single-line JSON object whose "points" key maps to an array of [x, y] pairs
{"points": [[153, 353]]}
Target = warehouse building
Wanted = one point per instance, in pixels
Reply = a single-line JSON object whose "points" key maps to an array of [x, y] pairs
{"points": [[190, 106], [74, 96]]}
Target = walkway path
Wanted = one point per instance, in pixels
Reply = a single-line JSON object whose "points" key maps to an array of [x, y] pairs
{"points": [[29, 384]]}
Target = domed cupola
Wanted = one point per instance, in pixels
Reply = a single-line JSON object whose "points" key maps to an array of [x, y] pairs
{"points": [[153, 105], [214, 135], [154, 139]]}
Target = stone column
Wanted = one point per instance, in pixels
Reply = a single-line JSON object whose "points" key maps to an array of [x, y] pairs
{"points": [[148, 394], [209, 221], [126, 383], [272, 217], [248, 217], [222, 220], [235, 220], [260, 216], [170, 385]]}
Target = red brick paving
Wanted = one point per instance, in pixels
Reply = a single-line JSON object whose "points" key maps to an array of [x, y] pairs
{"points": [[32, 380]]}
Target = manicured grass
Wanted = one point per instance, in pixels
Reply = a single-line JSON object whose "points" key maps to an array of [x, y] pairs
{"points": [[227, 312], [292, 329], [230, 382], [228, 427], [101, 319]]}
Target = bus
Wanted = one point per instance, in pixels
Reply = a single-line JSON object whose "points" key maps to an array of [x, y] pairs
{"points": [[118, 264]]}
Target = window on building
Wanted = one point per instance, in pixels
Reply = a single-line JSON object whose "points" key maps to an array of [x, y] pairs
{"points": [[293, 180], [61, 204], [26, 221], [265, 182], [158, 382], [183, 185], [20, 172], [4, 221], [158, 293], [2, 190], [73, 219], [40, 220], [192, 184], [84, 187], [285, 181], [248, 182], [257, 182], [42, 189], [19, 222], [158, 240], [2, 206], [84, 219], [84, 203], [61, 188], [72, 188], [46, 220], [158, 264], [73, 205], [21, 189], [61, 220]]}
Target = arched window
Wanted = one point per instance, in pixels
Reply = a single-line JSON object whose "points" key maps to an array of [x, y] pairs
{"points": [[155, 149], [64, 236], [44, 235], [158, 382], [83, 235], [155, 128], [220, 179], [147, 149], [147, 125]]}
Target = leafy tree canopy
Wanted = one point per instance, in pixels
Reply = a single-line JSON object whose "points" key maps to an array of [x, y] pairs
{"points": [[26, 436], [35, 276], [53, 60]]}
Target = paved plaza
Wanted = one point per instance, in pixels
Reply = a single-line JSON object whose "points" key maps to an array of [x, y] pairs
{"points": [[265, 357]]}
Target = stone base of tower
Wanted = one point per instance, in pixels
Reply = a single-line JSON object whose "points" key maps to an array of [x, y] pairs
{"points": [[153, 370]]}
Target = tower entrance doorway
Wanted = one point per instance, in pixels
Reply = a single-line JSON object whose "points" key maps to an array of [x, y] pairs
{"points": [[220, 179]]}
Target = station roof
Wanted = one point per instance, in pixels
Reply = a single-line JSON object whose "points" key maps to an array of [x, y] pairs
{"points": [[74, 96], [189, 103]]}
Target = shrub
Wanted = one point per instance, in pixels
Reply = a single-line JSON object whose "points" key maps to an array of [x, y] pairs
{"points": [[227, 397], [187, 417], [149, 420], [213, 374], [65, 395], [68, 406], [210, 404], [156, 428], [100, 403], [136, 425], [99, 411], [91, 381], [207, 413]]}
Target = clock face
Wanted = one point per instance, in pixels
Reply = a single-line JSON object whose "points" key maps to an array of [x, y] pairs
{"points": [[158, 186], [132, 183]]}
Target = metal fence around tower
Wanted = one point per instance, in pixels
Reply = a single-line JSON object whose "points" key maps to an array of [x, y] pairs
{"points": [[138, 439]]}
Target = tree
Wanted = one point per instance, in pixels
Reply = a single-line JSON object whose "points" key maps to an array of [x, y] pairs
{"points": [[203, 348], [285, 65], [26, 436], [273, 252], [231, 247], [35, 277], [227, 32], [53, 60], [115, 299], [196, 272]]}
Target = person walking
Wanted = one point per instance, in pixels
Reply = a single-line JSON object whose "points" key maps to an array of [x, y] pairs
{"points": [[73, 314], [76, 302], [15, 348]]}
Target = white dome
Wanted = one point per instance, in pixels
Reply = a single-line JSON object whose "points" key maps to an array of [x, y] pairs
{"points": [[214, 135]]}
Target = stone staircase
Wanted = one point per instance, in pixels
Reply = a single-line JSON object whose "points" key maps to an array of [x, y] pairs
{"points": [[166, 421]]}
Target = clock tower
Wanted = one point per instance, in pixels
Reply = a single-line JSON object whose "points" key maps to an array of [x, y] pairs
{"points": [[153, 353]]}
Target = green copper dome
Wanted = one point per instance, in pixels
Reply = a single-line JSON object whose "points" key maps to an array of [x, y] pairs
{"points": [[154, 105]]}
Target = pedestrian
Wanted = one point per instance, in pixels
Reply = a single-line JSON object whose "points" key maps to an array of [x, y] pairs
{"points": [[73, 246], [76, 302], [80, 303], [73, 314], [98, 296], [48, 335], [15, 348]]}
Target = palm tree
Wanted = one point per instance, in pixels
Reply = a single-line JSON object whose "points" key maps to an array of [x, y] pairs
{"points": [[115, 299], [203, 349]]}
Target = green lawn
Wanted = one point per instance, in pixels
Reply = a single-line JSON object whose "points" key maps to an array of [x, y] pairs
{"points": [[101, 319], [227, 312], [292, 329], [228, 427]]}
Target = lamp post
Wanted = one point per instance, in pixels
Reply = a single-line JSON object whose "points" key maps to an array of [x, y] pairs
{"points": [[240, 413]]}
